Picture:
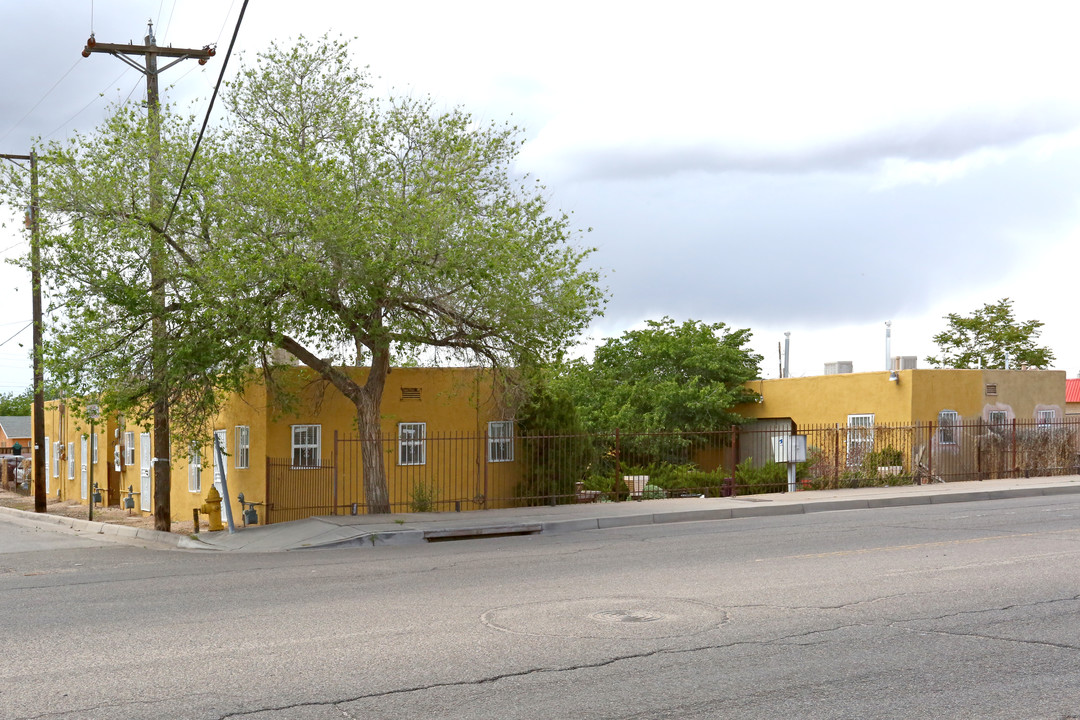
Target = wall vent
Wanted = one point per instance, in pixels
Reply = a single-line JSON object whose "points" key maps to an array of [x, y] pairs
{"points": [[410, 393], [991, 388], [840, 367]]}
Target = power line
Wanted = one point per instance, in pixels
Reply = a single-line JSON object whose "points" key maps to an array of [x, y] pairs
{"points": [[24, 327], [47, 93], [206, 118]]}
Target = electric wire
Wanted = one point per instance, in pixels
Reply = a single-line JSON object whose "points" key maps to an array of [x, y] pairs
{"points": [[47, 93], [206, 118], [24, 327]]}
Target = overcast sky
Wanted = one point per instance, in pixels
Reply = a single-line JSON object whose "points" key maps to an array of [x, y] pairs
{"points": [[817, 168]]}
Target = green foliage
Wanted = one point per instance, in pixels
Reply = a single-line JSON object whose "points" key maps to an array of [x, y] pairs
{"points": [[886, 457], [17, 403], [984, 338], [423, 497], [666, 377], [768, 478], [653, 492], [554, 452]]}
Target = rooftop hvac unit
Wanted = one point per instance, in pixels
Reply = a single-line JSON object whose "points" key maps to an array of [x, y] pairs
{"points": [[905, 362], [840, 367]]}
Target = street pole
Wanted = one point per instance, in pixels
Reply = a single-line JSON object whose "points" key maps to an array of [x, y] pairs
{"points": [[39, 373], [150, 52]]}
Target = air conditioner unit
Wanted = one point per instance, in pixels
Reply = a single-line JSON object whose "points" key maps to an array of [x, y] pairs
{"points": [[905, 362], [840, 367]]}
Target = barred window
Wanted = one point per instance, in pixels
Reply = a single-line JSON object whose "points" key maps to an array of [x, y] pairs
{"points": [[412, 440], [194, 469], [501, 441], [306, 445], [947, 422], [243, 446]]}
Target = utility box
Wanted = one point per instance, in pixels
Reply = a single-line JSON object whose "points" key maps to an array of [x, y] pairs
{"points": [[789, 448]]}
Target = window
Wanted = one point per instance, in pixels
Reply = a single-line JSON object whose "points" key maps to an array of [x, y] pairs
{"points": [[411, 443], [860, 437], [194, 469], [306, 444], [56, 459], [93, 449], [71, 460], [48, 458], [947, 422], [129, 448], [501, 441], [243, 446], [1044, 418], [997, 420]]}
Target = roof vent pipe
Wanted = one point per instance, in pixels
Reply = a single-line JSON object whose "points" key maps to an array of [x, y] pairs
{"points": [[787, 354], [888, 344], [1007, 363]]}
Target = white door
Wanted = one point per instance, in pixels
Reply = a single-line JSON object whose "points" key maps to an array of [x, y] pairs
{"points": [[219, 441], [48, 459], [82, 465], [145, 469]]}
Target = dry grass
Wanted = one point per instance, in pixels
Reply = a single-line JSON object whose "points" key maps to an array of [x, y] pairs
{"points": [[76, 509]]}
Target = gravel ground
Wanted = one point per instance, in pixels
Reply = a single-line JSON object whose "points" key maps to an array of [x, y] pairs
{"points": [[75, 509]]}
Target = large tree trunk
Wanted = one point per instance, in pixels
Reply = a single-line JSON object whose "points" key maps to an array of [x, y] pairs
{"points": [[368, 402], [369, 424]]}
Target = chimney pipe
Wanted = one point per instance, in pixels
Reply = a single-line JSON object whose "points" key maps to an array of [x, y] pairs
{"points": [[787, 354], [888, 345]]}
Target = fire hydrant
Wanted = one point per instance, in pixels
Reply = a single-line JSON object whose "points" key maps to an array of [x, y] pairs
{"points": [[212, 509]]}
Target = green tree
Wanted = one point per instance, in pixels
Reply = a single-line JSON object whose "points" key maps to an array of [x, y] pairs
{"points": [[666, 377], [555, 453], [96, 220], [984, 338], [368, 231], [16, 403]]}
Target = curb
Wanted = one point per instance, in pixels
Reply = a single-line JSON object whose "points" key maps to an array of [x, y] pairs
{"points": [[106, 530]]}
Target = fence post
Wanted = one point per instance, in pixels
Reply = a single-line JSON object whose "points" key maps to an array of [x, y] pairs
{"points": [[266, 492], [1015, 467], [333, 510], [836, 455], [618, 469], [930, 450]]}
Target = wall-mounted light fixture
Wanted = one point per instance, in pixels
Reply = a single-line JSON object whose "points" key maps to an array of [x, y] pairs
{"points": [[893, 376]]}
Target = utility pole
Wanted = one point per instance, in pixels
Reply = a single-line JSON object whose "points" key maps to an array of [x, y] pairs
{"points": [[39, 374], [162, 472]]}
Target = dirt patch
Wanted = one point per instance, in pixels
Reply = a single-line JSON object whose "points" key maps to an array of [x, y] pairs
{"points": [[75, 509]]}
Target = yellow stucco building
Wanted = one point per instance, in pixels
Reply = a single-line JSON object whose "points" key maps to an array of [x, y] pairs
{"points": [[448, 443], [913, 396]]}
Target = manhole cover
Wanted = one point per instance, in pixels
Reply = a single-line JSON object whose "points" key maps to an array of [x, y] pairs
{"points": [[610, 617], [630, 616]]}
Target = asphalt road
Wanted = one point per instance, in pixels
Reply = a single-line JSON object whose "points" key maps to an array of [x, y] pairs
{"points": [[957, 610]]}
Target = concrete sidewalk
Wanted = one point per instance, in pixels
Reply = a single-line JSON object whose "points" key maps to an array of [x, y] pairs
{"points": [[341, 531]]}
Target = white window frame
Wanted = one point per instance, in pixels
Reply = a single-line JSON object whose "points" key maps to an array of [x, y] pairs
{"points": [[93, 448], [194, 471], [129, 448], [242, 438], [56, 458], [308, 452], [948, 420], [1045, 418], [412, 443], [860, 437], [48, 458], [992, 419], [71, 460], [500, 444]]}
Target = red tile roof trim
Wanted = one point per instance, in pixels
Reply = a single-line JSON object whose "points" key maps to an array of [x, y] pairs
{"points": [[1072, 390]]}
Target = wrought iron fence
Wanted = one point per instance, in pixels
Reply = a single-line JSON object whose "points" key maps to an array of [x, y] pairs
{"points": [[461, 471]]}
